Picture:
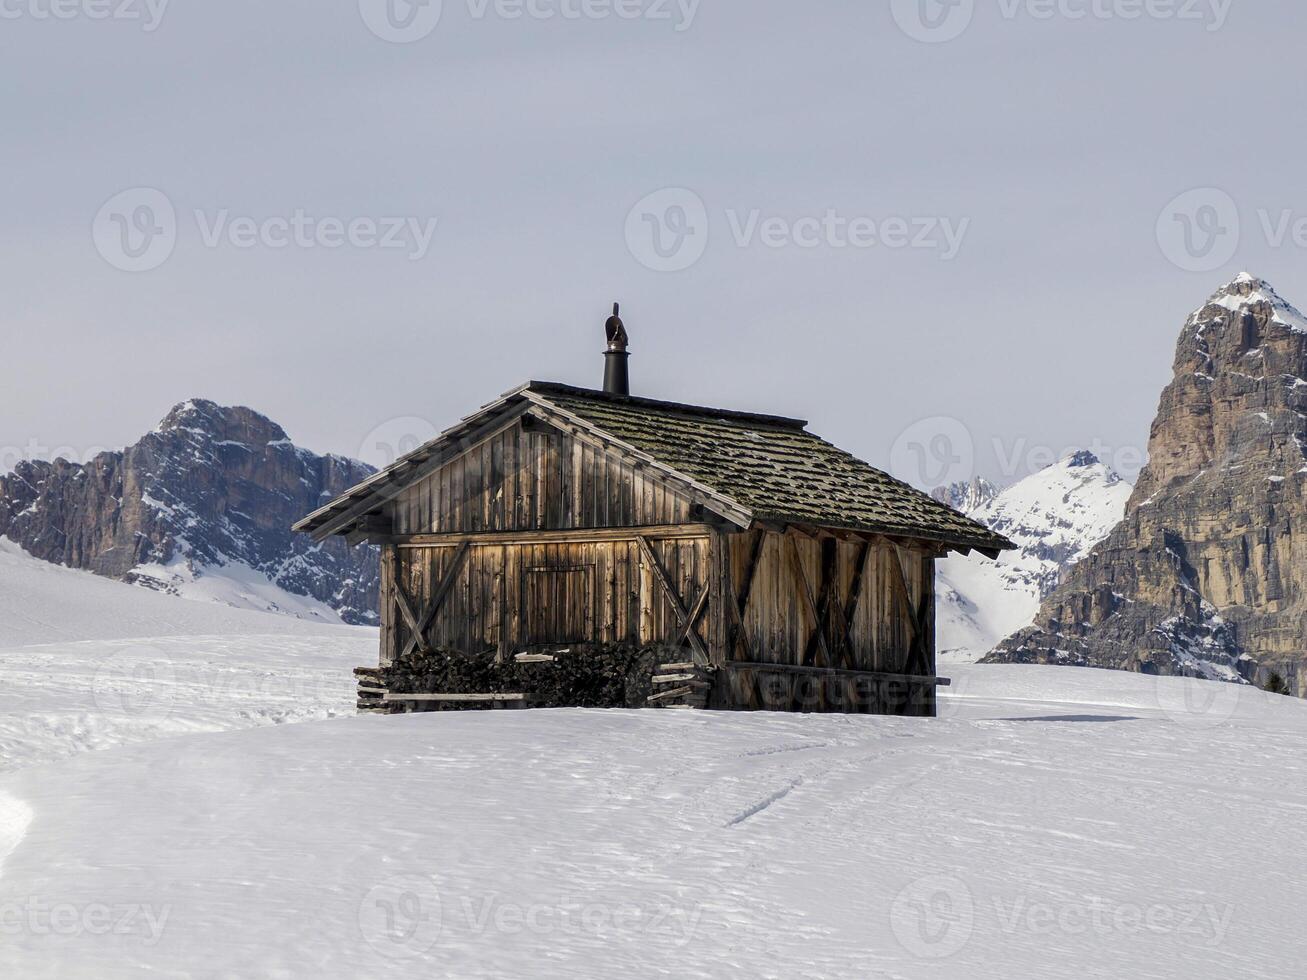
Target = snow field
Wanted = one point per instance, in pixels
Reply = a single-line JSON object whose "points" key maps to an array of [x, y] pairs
{"points": [[159, 818], [1054, 823]]}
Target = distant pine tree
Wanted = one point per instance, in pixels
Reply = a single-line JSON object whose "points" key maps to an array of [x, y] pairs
{"points": [[1278, 685]]}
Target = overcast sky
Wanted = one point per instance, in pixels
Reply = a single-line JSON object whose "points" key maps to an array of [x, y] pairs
{"points": [[866, 214]]}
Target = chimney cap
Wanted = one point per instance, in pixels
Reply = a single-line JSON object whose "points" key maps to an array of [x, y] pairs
{"points": [[617, 374], [616, 330]]}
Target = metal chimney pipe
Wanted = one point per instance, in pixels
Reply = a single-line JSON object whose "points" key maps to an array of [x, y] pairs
{"points": [[617, 373]]}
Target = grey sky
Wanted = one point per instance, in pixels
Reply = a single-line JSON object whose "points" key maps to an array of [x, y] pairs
{"points": [[1051, 144]]}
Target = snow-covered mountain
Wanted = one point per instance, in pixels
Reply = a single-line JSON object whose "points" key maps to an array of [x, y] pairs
{"points": [[967, 495], [200, 507], [1207, 572], [1054, 517]]}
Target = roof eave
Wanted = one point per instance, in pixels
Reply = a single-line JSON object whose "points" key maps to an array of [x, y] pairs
{"points": [[988, 543], [394, 476]]}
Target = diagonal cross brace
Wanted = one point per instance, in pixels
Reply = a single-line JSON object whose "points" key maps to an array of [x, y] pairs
{"points": [[419, 628], [683, 617], [916, 615], [805, 592], [738, 606], [849, 610]]}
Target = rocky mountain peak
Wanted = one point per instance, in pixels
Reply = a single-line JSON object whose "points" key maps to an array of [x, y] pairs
{"points": [[203, 506], [1248, 292], [1082, 459], [235, 424], [1238, 393], [1207, 573]]}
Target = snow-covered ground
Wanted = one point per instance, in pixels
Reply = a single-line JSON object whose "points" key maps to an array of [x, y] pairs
{"points": [[86, 662], [44, 603], [1054, 517], [1052, 823]]}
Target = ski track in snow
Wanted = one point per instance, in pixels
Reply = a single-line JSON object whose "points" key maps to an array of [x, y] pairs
{"points": [[756, 808]]}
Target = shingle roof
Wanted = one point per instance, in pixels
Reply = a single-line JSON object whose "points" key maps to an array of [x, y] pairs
{"points": [[767, 467], [772, 466]]}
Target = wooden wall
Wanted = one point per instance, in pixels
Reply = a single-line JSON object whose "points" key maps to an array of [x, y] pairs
{"points": [[800, 588], [779, 621], [530, 478], [510, 597]]}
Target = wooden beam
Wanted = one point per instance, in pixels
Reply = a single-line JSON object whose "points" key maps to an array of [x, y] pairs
{"points": [[805, 593], [827, 601], [696, 613], [406, 608], [739, 636], [736, 636], [807, 530], [850, 608], [455, 698], [915, 616], [661, 574], [678, 692], [899, 583], [377, 524], [834, 672], [419, 638], [923, 650], [660, 532], [755, 550]]}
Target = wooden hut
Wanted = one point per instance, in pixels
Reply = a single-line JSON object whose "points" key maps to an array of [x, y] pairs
{"points": [[781, 571]]}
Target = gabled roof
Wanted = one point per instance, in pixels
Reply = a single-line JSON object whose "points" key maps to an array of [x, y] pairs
{"points": [[757, 467]]}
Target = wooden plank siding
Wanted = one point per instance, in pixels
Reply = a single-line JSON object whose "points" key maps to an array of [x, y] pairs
{"points": [[800, 583], [779, 624], [530, 477], [512, 597]]}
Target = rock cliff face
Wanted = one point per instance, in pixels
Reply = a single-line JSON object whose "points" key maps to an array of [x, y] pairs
{"points": [[1207, 574], [966, 496], [202, 506]]}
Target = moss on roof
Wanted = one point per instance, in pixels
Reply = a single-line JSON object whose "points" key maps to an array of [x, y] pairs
{"points": [[772, 466]]}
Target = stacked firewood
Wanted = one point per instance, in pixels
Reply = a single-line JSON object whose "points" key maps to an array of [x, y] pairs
{"points": [[597, 676], [372, 690], [685, 683]]}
